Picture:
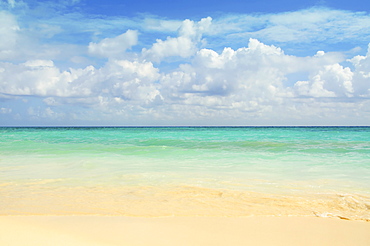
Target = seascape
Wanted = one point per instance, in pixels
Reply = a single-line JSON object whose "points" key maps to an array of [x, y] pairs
{"points": [[186, 171], [186, 123]]}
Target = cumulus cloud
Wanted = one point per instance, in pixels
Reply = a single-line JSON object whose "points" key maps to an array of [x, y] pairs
{"points": [[250, 70], [330, 81], [253, 83], [114, 47], [249, 81], [253, 74], [185, 45], [41, 78], [130, 81], [118, 78], [361, 76], [334, 80]]}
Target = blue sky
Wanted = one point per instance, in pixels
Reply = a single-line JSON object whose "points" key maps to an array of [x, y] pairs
{"points": [[75, 62], [201, 8]]}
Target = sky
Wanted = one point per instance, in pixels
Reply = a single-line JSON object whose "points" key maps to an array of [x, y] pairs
{"points": [[168, 63]]}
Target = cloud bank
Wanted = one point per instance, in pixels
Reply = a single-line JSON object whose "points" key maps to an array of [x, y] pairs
{"points": [[182, 73]]}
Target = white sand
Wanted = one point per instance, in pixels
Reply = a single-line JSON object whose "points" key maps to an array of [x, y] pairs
{"points": [[117, 230]]}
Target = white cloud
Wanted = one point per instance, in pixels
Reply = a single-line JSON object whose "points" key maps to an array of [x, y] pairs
{"points": [[50, 101], [243, 80], [180, 46], [10, 29], [208, 82], [331, 81], [42, 78], [160, 25], [335, 80], [322, 26], [251, 81], [114, 47], [185, 45], [5, 110], [130, 81], [39, 63], [118, 81], [46, 114], [28, 39], [195, 30], [233, 84], [258, 71], [361, 77]]}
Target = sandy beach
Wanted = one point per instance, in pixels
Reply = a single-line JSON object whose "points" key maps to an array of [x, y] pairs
{"points": [[185, 186], [118, 230]]}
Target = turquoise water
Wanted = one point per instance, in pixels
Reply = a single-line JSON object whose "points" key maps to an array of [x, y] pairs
{"points": [[275, 160]]}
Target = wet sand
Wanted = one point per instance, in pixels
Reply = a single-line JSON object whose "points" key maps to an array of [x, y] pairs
{"points": [[82, 230]]}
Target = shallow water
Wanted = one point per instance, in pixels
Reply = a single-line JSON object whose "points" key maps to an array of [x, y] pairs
{"points": [[227, 171]]}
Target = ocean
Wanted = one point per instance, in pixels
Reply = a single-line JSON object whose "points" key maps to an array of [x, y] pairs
{"points": [[186, 171]]}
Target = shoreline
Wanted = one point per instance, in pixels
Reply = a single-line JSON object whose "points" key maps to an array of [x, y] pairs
{"points": [[80, 230], [177, 201]]}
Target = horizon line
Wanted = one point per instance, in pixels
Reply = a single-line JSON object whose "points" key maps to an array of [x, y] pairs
{"points": [[173, 126]]}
